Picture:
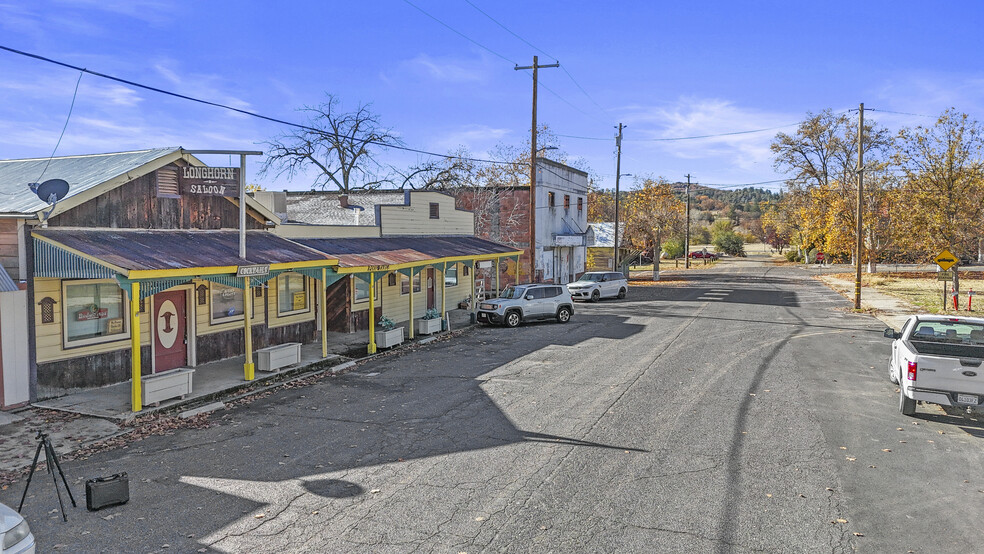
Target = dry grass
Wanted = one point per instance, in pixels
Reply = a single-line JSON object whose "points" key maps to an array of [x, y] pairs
{"points": [[922, 290]]}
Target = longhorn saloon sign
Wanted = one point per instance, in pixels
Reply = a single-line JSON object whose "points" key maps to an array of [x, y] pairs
{"points": [[209, 181]]}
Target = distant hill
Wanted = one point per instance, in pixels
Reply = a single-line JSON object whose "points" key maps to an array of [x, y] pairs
{"points": [[746, 199]]}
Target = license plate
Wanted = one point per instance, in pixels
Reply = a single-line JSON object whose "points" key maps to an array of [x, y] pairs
{"points": [[966, 399]]}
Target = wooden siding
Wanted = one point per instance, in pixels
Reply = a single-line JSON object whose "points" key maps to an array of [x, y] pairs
{"points": [[9, 258], [135, 205], [203, 313], [95, 370], [339, 307], [396, 306], [415, 218], [229, 344], [275, 320]]}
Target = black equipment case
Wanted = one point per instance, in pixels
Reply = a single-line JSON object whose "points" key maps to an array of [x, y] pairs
{"points": [[107, 491]]}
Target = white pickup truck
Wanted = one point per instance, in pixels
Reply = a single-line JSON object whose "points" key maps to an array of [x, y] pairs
{"points": [[937, 359]]}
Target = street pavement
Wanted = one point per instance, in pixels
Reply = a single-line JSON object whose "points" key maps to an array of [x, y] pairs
{"points": [[737, 408]]}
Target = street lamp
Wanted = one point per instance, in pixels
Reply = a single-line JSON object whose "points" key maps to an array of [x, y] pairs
{"points": [[615, 249]]}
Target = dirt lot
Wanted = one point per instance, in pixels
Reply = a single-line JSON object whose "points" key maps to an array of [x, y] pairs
{"points": [[923, 291]]}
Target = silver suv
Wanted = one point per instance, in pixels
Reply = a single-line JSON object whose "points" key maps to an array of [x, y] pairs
{"points": [[596, 285], [520, 303]]}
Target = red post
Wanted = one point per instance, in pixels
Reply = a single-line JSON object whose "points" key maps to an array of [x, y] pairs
{"points": [[970, 300], [955, 306]]}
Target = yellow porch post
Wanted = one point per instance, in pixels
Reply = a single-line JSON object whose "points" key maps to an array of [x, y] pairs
{"points": [[474, 304], [444, 295], [497, 289], [136, 403], [372, 313], [411, 301], [322, 301], [248, 367]]}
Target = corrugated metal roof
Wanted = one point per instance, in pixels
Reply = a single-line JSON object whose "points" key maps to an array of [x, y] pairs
{"points": [[137, 249], [6, 283], [323, 208], [360, 252], [81, 172]]}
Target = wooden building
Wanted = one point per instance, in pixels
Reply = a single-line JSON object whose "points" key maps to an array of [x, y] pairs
{"points": [[138, 274]]}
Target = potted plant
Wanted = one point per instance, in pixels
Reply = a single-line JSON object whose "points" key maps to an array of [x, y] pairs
{"points": [[430, 323], [390, 335]]}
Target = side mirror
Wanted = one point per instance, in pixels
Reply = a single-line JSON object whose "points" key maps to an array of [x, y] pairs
{"points": [[529, 297], [891, 334]]}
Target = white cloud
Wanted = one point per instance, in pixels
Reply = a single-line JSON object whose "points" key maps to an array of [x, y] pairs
{"points": [[476, 138], [447, 70]]}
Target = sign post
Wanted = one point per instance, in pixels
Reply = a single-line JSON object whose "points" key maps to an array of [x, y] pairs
{"points": [[945, 260]]}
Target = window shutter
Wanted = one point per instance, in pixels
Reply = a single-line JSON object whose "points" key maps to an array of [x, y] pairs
{"points": [[435, 210]]}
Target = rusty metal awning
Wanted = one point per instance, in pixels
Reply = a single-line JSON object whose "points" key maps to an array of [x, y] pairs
{"points": [[365, 254], [141, 253]]}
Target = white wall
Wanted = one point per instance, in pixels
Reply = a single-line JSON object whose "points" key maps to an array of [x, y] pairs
{"points": [[13, 342]]}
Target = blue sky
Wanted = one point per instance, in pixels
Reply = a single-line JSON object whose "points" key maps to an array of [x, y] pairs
{"points": [[665, 69]]}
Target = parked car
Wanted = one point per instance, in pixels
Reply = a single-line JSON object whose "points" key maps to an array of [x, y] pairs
{"points": [[519, 303], [15, 533], [937, 359], [703, 254], [596, 285]]}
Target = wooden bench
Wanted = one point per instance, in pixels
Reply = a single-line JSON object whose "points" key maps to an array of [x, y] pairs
{"points": [[166, 384], [277, 356]]}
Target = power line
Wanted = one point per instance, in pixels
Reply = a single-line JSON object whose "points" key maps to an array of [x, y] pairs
{"points": [[897, 113], [65, 126], [531, 45], [245, 112]]}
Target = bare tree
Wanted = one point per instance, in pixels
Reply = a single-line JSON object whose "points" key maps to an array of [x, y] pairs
{"points": [[337, 145], [454, 171]]}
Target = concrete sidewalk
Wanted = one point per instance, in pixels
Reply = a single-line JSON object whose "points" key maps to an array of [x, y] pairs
{"points": [[88, 416], [890, 310]]}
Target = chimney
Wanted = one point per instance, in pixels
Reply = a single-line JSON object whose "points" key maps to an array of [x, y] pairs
{"points": [[343, 200]]}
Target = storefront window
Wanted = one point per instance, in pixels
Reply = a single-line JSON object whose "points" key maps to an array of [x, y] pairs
{"points": [[227, 303], [291, 293], [416, 283], [94, 312], [404, 284], [361, 289], [451, 275]]}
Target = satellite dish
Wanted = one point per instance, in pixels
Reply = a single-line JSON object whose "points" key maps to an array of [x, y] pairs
{"points": [[50, 192]]}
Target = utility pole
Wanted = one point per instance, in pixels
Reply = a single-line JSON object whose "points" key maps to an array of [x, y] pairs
{"points": [[534, 67], [857, 279], [618, 173], [686, 243]]}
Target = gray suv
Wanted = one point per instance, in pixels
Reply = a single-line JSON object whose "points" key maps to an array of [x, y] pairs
{"points": [[520, 303]]}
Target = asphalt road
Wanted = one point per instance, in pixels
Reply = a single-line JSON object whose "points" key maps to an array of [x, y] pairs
{"points": [[742, 409]]}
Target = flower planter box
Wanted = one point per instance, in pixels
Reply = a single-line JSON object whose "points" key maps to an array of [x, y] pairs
{"points": [[428, 326], [165, 385], [389, 339], [275, 357]]}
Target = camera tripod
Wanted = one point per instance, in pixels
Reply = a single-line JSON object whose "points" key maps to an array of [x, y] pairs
{"points": [[51, 461]]}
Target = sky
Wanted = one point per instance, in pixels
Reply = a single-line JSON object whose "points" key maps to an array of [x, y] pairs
{"points": [[440, 75]]}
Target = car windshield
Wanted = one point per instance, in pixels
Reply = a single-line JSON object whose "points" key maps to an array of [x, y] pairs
{"points": [[591, 277], [959, 332], [512, 292]]}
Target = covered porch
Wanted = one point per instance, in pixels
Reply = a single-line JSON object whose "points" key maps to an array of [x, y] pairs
{"points": [[170, 280]]}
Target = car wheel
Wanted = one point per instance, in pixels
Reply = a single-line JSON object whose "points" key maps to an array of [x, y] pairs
{"points": [[891, 374], [907, 406], [564, 314], [621, 293], [512, 319], [596, 295]]}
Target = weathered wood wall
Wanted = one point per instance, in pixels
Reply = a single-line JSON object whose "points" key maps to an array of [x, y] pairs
{"points": [[8, 247], [337, 298], [135, 205]]}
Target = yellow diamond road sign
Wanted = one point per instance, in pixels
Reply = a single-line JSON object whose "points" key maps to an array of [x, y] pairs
{"points": [[945, 260]]}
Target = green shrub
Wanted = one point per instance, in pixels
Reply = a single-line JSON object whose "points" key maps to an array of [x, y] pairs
{"points": [[793, 256], [730, 243], [673, 248]]}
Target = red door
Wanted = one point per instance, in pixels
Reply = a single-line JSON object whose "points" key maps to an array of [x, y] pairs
{"points": [[431, 299], [170, 324]]}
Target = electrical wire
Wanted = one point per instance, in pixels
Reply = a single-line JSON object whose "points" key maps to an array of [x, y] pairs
{"points": [[531, 45], [897, 113], [65, 126], [245, 112]]}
